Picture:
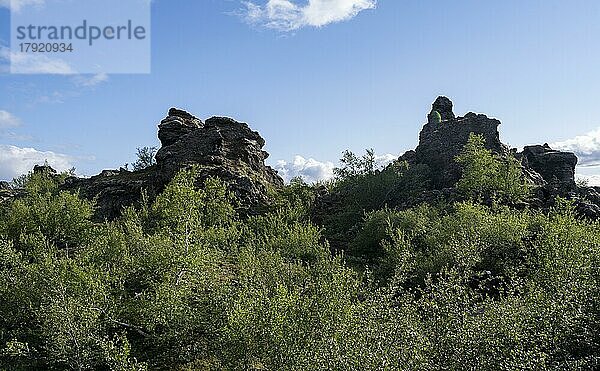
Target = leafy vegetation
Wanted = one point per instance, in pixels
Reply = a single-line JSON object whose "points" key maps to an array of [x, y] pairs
{"points": [[486, 175], [183, 282], [145, 158]]}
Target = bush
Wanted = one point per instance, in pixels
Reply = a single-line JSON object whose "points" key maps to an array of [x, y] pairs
{"points": [[145, 158], [61, 217], [185, 283], [488, 176]]}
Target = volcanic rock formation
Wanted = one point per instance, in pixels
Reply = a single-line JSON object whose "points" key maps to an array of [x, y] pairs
{"points": [[224, 148], [441, 142], [220, 147]]}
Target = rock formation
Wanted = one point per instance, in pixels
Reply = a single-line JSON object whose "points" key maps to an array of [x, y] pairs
{"points": [[443, 106], [220, 147], [224, 148], [555, 167], [440, 143]]}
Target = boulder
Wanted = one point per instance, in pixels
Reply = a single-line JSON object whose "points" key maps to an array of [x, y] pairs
{"points": [[443, 106], [556, 168], [177, 124], [44, 169], [226, 149]]}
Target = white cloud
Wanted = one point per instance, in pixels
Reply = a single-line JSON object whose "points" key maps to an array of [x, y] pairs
{"points": [[290, 15], [17, 5], [8, 120], [313, 171], [15, 161], [25, 63], [310, 169], [28, 63], [591, 180], [90, 81], [586, 147], [381, 161]]}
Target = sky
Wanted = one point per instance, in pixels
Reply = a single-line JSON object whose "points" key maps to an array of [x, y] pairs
{"points": [[317, 77]]}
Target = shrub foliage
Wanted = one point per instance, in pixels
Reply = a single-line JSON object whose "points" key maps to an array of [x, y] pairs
{"points": [[184, 282]]}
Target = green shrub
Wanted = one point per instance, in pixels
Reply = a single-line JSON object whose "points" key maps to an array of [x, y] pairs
{"points": [[60, 216], [185, 283], [485, 175]]}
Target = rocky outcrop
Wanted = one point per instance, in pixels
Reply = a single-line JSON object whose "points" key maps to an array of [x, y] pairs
{"points": [[441, 142], [176, 125], [223, 148], [444, 107], [550, 172], [220, 147], [555, 167], [114, 189]]}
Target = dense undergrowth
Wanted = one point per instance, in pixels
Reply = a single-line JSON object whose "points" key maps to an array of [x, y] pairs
{"points": [[183, 282]]}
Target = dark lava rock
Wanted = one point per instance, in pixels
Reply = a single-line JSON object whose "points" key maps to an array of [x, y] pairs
{"points": [[114, 190], [550, 172], [440, 143], [226, 149], [221, 147], [177, 124], [443, 106], [556, 168], [43, 169]]}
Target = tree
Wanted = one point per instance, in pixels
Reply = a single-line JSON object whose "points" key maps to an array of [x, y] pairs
{"points": [[486, 175], [145, 158], [352, 165]]}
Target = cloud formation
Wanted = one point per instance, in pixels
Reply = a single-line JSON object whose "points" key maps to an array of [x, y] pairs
{"points": [[15, 161], [592, 180], [17, 5], [381, 161], [290, 15], [8, 120], [28, 63], [312, 171], [586, 147], [90, 81]]}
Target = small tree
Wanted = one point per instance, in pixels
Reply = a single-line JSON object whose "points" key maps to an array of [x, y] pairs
{"points": [[352, 165], [488, 175], [145, 158]]}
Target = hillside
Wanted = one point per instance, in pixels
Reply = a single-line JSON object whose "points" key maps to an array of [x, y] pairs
{"points": [[461, 254]]}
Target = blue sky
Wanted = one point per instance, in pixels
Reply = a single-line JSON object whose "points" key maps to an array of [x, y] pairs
{"points": [[316, 79]]}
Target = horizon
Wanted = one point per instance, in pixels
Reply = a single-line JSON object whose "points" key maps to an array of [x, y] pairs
{"points": [[317, 80]]}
